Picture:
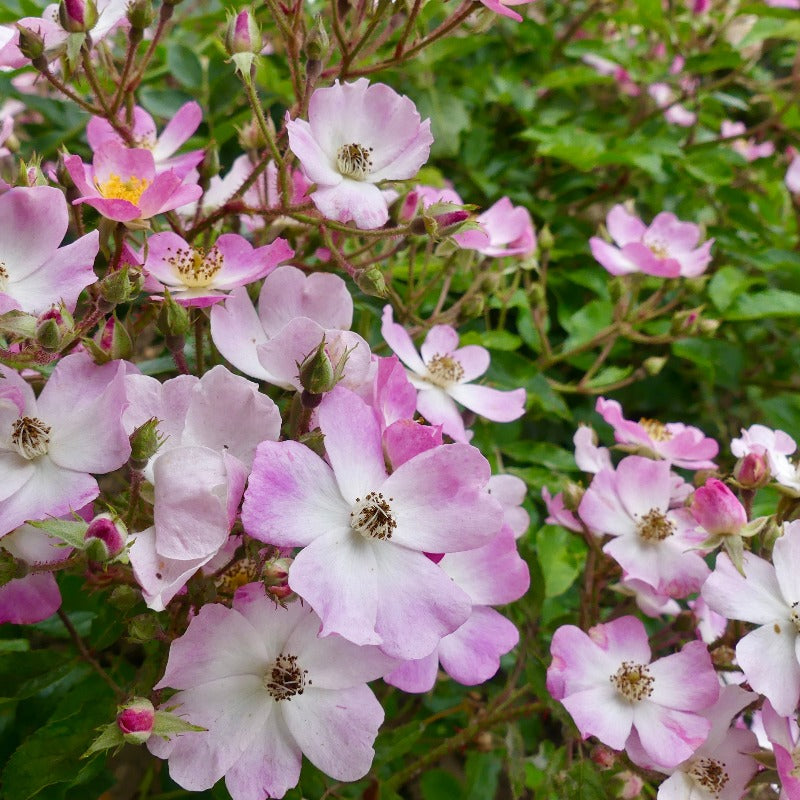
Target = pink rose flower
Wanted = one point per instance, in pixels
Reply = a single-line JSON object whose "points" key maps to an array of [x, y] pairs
{"points": [[507, 230], [269, 691], [612, 690], [667, 248], [123, 184], [357, 136]]}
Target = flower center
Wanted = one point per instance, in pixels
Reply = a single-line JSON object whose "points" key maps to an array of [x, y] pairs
{"points": [[3, 277], [633, 681], [284, 679], [658, 248], [654, 526], [117, 189], [145, 140], [30, 436], [372, 517], [444, 371], [354, 160], [245, 570], [709, 774], [656, 430], [196, 267]]}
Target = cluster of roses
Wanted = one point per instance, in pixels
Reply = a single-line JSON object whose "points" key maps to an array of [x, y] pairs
{"points": [[677, 714], [364, 547]]}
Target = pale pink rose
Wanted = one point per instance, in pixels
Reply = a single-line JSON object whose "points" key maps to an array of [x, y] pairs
{"points": [[612, 690], [674, 113], [294, 312], [747, 148], [35, 273], [506, 230], [197, 276], [364, 533], [681, 445], [784, 736], [268, 691], [651, 541], [667, 248], [444, 374], [767, 596], [51, 446], [357, 136]]}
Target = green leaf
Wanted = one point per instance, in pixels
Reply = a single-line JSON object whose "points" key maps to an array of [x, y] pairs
{"points": [[110, 736], [166, 724], [493, 340], [766, 304], [576, 146], [71, 533], [721, 361], [482, 775], [562, 555], [549, 455], [184, 66], [50, 755], [438, 784], [726, 285], [449, 118]]}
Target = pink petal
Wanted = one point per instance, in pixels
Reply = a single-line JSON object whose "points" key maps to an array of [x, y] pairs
{"points": [[288, 293], [317, 164], [337, 575], [336, 729], [33, 222], [349, 200], [415, 676], [182, 125], [611, 258], [352, 443], [474, 361], [237, 332], [648, 262], [398, 339], [440, 502], [30, 599], [685, 680], [441, 340], [418, 604], [602, 712], [493, 404], [438, 408], [786, 558], [292, 496], [624, 227], [643, 485], [471, 655], [243, 264], [669, 736]]}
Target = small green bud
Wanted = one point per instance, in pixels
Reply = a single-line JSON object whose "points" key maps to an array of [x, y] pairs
{"points": [[546, 240], [141, 14], [120, 286], [124, 598], [472, 308], [111, 342], [316, 372], [31, 45], [173, 319], [654, 364], [144, 628], [317, 41], [371, 281], [54, 327], [145, 441]]}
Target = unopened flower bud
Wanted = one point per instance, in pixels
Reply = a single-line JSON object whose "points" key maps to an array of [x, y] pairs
{"points": [[316, 373], [243, 34], [654, 364], [111, 342], [173, 319], [31, 45], [573, 494], [545, 239], [54, 327], [752, 471], [473, 307], [603, 756], [716, 509], [77, 16], [144, 628], [632, 785], [121, 286], [209, 166], [371, 281], [276, 578], [251, 137], [708, 326], [141, 14], [136, 720], [145, 441], [105, 537], [317, 41]]}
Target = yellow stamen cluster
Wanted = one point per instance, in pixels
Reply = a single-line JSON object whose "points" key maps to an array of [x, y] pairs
{"points": [[654, 526], [633, 681], [195, 266], [444, 371], [656, 430], [115, 188]]}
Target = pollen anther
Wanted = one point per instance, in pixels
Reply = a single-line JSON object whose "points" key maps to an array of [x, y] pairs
{"points": [[354, 160], [284, 679], [30, 437], [633, 681], [709, 774], [115, 188], [372, 517], [444, 371], [654, 526]]}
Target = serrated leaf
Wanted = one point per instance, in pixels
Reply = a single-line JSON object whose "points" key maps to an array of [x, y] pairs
{"points": [[110, 736], [69, 532], [166, 724], [767, 304]]}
